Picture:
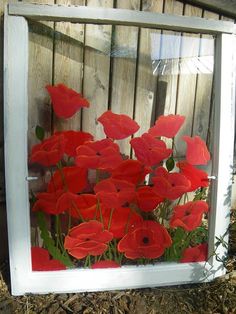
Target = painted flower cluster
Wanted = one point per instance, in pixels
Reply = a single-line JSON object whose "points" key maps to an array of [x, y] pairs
{"points": [[104, 209]]}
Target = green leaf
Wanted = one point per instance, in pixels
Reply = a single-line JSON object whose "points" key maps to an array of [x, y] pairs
{"points": [[49, 242], [39, 132], [170, 163]]}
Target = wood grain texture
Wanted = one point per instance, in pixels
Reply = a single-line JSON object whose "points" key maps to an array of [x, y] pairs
{"points": [[147, 77], [204, 87], [190, 45], [120, 17], [68, 62], [168, 69], [39, 75], [96, 72], [124, 59], [227, 7]]}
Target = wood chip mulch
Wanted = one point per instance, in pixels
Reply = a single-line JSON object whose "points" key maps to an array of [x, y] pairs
{"points": [[216, 297]]}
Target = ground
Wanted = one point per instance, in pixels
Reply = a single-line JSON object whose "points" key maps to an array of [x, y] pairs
{"points": [[216, 297]]}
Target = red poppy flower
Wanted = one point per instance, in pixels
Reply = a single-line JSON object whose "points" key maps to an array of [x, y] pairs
{"points": [[167, 126], [47, 202], [148, 240], [170, 185], [49, 152], [117, 126], [65, 101], [149, 150], [194, 254], [79, 206], [88, 238], [130, 170], [120, 220], [114, 193], [105, 264], [197, 152], [103, 155], [73, 140], [41, 260], [189, 215], [147, 198], [197, 177], [72, 179]]}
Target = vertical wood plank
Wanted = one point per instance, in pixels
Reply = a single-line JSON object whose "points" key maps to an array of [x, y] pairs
{"points": [[40, 74], [187, 81], [204, 85], [68, 62], [96, 72], [171, 53], [146, 76], [124, 51], [169, 66]]}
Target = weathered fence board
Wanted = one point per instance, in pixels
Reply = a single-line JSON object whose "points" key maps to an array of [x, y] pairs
{"points": [[170, 52], [39, 75], [187, 81], [68, 61], [123, 76], [203, 86], [96, 71], [145, 101]]}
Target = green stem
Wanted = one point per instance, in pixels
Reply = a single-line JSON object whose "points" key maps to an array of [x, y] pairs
{"points": [[69, 223], [60, 168], [100, 212], [110, 219], [59, 235]]}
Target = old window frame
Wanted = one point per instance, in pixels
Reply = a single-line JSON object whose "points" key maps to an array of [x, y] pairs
{"points": [[23, 279]]}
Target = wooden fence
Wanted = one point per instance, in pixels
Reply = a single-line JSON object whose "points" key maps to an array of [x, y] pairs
{"points": [[113, 67]]}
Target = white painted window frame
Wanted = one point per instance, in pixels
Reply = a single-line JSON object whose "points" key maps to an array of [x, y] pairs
{"points": [[23, 279]]}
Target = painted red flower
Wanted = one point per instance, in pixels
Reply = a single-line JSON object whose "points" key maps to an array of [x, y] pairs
{"points": [[149, 150], [47, 202], [65, 101], [130, 170], [117, 126], [194, 254], [197, 152], [88, 238], [147, 198], [73, 140], [167, 126], [120, 220], [103, 155], [41, 260], [148, 240], [114, 193], [197, 177], [81, 206], [49, 152], [72, 179], [105, 264], [170, 185], [189, 215]]}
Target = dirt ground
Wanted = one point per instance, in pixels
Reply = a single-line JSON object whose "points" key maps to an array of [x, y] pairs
{"points": [[216, 297]]}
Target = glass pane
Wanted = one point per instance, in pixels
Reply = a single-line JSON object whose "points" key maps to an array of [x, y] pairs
{"points": [[119, 118]]}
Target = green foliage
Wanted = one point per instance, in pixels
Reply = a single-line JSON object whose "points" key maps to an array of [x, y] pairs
{"points": [[170, 163], [49, 242], [39, 132]]}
